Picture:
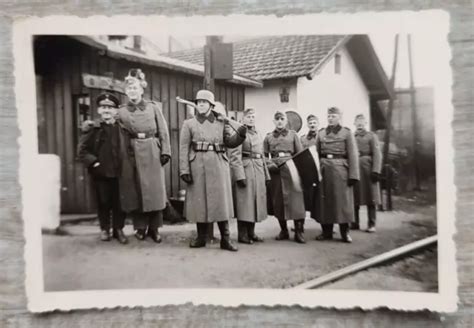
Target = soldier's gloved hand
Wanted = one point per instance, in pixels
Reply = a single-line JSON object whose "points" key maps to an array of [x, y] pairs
{"points": [[187, 178], [352, 182], [273, 168], [242, 183], [374, 176], [164, 159], [87, 125], [242, 130]]}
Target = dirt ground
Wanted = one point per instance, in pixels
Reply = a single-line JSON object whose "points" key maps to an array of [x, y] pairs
{"points": [[78, 260]]}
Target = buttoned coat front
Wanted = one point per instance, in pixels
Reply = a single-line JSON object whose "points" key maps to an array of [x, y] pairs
{"points": [[287, 201], [209, 197], [367, 192], [336, 197], [142, 178], [250, 202]]}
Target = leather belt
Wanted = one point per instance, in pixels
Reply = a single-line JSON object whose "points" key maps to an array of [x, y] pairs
{"points": [[143, 135], [333, 156], [281, 154], [252, 155], [208, 146]]}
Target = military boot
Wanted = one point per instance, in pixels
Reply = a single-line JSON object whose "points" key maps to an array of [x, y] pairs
{"points": [[200, 240], [371, 212], [344, 230], [251, 232], [225, 236], [243, 235], [299, 238], [355, 225], [154, 235], [284, 234]]}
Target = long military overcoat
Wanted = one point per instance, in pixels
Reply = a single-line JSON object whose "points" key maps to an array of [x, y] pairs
{"points": [[209, 197], [287, 200], [250, 202], [336, 197], [310, 192], [142, 178], [367, 192]]}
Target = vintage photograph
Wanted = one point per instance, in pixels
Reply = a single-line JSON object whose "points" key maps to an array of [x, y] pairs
{"points": [[277, 161]]}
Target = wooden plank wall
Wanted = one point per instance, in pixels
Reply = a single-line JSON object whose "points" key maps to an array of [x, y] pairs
{"points": [[57, 119]]}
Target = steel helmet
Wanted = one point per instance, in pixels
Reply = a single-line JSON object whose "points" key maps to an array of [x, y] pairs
{"points": [[205, 95]]}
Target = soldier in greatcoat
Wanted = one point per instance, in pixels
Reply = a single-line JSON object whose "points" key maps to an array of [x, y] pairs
{"points": [[204, 166], [366, 192], [98, 149], [308, 140], [249, 176], [146, 150], [287, 198], [337, 149]]}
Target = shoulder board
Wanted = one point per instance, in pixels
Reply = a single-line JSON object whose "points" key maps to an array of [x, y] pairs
{"points": [[322, 129], [344, 127]]}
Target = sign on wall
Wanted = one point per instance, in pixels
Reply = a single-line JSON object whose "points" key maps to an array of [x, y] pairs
{"points": [[102, 82]]}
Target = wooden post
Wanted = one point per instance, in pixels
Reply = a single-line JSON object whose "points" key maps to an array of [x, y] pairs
{"points": [[386, 165], [416, 167], [209, 84]]}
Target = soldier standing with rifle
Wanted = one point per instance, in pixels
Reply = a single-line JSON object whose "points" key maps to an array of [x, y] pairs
{"points": [[287, 198], [146, 150], [204, 166], [337, 149], [366, 192], [249, 174]]}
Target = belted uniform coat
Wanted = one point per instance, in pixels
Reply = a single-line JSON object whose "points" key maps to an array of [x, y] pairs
{"points": [[250, 202], [142, 178], [209, 197], [336, 197]]}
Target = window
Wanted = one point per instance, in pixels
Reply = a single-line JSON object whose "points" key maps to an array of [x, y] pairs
{"points": [[82, 112], [337, 64]]}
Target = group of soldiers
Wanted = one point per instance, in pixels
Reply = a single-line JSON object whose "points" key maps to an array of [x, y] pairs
{"points": [[229, 170]]}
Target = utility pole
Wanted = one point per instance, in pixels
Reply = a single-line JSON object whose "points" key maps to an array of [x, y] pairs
{"points": [[414, 119], [209, 84], [386, 165]]}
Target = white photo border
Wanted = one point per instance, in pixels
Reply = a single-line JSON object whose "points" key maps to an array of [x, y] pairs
{"points": [[429, 21]]}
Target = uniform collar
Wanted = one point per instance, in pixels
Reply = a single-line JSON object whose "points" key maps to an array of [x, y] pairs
{"points": [[360, 132], [277, 133], [311, 134], [140, 105], [202, 118], [333, 128]]}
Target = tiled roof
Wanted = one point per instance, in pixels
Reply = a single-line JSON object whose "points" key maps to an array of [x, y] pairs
{"points": [[273, 57]]}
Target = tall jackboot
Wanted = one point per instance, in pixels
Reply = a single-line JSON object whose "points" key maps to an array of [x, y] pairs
{"points": [[344, 229], [299, 238], [242, 231], [251, 232], [327, 232], [371, 212], [355, 225], [200, 240], [225, 236], [284, 234]]}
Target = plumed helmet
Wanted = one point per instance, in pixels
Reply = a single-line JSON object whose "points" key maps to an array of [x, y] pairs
{"points": [[135, 75], [205, 95]]}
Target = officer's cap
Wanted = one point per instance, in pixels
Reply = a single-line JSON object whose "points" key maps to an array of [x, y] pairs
{"points": [[360, 116], [249, 111], [279, 114], [334, 110], [311, 117], [107, 99]]}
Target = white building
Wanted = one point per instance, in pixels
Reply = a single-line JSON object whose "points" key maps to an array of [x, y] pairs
{"points": [[307, 74]]}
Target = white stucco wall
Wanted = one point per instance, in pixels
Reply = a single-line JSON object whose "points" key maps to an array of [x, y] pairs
{"points": [[346, 91], [266, 102]]}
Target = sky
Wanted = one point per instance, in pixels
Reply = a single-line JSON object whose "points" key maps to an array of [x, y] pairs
{"points": [[423, 54]]}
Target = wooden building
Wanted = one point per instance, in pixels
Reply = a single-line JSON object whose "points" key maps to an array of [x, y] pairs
{"points": [[71, 71]]}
